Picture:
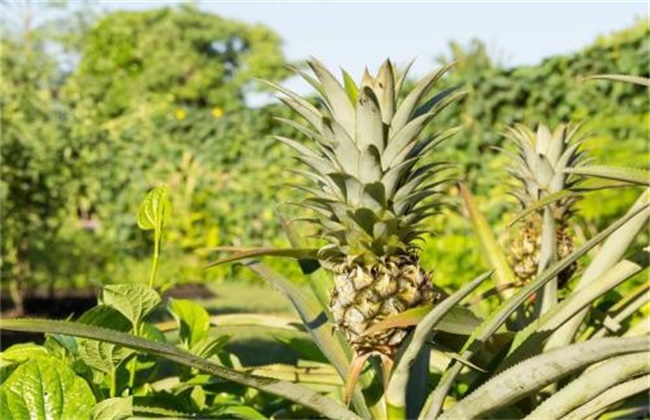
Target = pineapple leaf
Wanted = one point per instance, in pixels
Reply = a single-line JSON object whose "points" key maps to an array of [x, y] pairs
{"points": [[345, 150], [540, 204], [642, 81], [591, 384], [498, 318], [384, 87], [435, 100], [369, 165], [335, 95], [608, 255], [317, 323], [350, 87], [614, 395], [457, 320], [527, 342], [369, 125], [309, 79], [405, 110], [491, 249], [298, 104], [307, 265], [428, 319], [247, 253], [540, 371], [631, 175]]}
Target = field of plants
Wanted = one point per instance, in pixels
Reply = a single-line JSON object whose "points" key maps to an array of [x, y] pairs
{"points": [[471, 243]]}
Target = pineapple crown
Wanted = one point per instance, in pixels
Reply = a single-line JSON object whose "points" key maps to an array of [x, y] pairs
{"points": [[370, 188], [541, 163]]}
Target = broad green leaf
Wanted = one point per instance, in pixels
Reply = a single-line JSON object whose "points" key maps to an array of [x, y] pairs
{"points": [[290, 391], [45, 388], [209, 346], [133, 300], [107, 317], [631, 175], [643, 81], [114, 409], [538, 372], [19, 353], [101, 356], [193, 320], [154, 210], [490, 247]]}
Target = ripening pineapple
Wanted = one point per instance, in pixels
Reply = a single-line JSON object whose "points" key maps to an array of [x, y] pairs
{"points": [[371, 192], [542, 158]]}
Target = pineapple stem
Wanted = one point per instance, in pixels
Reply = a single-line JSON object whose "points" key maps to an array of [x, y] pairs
{"points": [[547, 256]]}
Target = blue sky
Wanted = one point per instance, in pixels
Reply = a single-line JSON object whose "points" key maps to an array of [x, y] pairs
{"points": [[353, 35]]}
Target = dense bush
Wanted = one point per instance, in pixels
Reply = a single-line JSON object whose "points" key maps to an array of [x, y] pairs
{"points": [[159, 97]]}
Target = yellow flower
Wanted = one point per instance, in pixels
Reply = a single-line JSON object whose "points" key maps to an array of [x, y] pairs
{"points": [[217, 112], [180, 114]]}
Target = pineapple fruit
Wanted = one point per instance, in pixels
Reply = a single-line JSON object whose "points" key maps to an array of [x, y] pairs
{"points": [[539, 171], [370, 190]]}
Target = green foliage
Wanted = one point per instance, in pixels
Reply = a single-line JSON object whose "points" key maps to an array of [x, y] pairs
{"points": [[614, 116], [43, 388]]}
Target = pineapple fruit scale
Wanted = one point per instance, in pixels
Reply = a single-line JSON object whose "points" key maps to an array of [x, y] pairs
{"points": [[370, 190]]}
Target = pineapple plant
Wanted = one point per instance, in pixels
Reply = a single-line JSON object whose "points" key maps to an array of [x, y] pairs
{"points": [[371, 191], [539, 169]]}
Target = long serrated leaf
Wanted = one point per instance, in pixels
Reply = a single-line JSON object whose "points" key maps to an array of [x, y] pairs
{"points": [[631, 175], [529, 341], [540, 371], [298, 104], [591, 384], [643, 81], [609, 254], [495, 320], [369, 126], [290, 391], [335, 95], [457, 320], [489, 245], [395, 395], [247, 253], [613, 396], [407, 107], [319, 283], [350, 87], [540, 204], [316, 321]]}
